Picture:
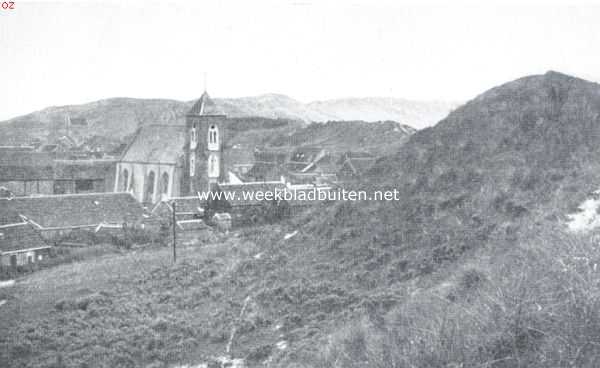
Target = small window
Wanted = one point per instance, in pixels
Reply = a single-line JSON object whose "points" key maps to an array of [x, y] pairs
{"points": [[213, 138], [192, 165], [150, 187], [213, 166], [193, 139], [84, 186], [1, 236], [164, 186]]}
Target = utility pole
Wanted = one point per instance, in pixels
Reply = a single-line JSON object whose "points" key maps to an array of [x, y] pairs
{"points": [[174, 233]]}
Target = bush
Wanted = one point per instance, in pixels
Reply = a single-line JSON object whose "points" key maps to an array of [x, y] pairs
{"points": [[539, 307]]}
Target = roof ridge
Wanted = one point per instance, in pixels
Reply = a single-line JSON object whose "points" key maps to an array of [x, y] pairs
{"points": [[163, 125], [205, 106], [14, 224], [69, 195]]}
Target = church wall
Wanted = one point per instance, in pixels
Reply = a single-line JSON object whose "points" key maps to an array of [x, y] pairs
{"points": [[141, 173]]}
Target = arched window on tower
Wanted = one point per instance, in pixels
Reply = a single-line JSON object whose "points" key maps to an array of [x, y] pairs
{"points": [[213, 166], [125, 180], [213, 138], [192, 164], [193, 139]]}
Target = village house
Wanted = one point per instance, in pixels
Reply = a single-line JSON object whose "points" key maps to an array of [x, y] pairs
{"points": [[20, 242], [264, 171], [354, 165], [26, 172], [83, 176], [5, 193], [186, 208], [189, 217], [301, 165], [58, 215], [222, 221]]}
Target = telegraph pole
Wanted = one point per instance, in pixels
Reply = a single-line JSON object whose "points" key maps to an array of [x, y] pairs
{"points": [[174, 234]]}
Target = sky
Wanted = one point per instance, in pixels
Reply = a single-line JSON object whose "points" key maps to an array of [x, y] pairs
{"points": [[62, 53]]}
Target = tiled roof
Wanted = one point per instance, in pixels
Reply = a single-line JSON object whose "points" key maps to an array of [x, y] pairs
{"points": [[49, 148], [303, 178], [357, 154], [5, 193], [83, 169], [354, 154], [205, 106], [17, 148], [9, 216], [183, 205], [305, 154], [188, 204], [20, 237], [360, 165], [21, 165], [272, 154], [77, 210], [157, 144], [322, 162], [327, 166], [264, 171]]}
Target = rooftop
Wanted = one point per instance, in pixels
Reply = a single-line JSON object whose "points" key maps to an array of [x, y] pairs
{"points": [[19, 237], [205, 106], [77, 210], [160, 144], [19, 165]]}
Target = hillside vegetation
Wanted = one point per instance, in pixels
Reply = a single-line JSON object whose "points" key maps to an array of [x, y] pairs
{"points": [[379, 138], [470, 267], [504, 167]]}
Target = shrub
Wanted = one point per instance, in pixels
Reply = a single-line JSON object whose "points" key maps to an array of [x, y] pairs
{"points": [[538, 307]]}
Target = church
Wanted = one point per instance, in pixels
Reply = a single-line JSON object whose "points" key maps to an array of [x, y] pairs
{"points": [[167, 161]]}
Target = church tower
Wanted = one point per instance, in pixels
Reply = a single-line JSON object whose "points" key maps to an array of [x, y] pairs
{"points": [[205, 126]]}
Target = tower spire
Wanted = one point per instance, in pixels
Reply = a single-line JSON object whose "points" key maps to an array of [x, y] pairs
{"points": [[205, 81]]}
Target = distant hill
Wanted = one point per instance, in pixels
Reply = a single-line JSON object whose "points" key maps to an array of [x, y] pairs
{"points": [[379, 138], [528, 150], [337, 137], [119, 117], [417, 114]]}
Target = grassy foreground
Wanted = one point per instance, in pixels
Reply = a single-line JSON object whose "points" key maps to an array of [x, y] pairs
{"points": [[310, 304], [120, 310]]}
